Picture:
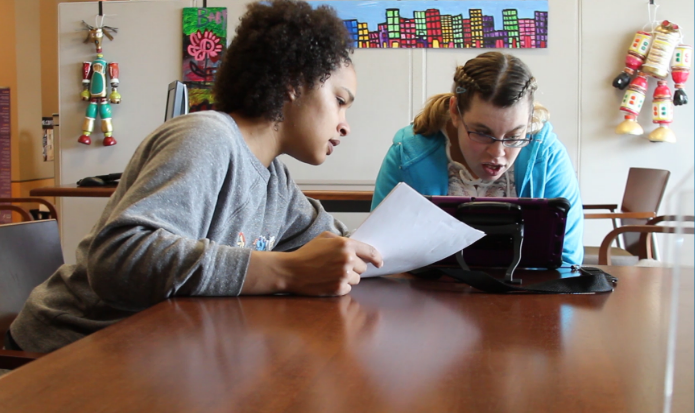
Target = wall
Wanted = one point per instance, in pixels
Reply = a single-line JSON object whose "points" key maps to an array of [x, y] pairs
{"points": [[145, 73], [607, 30], [588, 41], [29, 160], [21, 65], [394, 84], [47, 14], [8, 72]]}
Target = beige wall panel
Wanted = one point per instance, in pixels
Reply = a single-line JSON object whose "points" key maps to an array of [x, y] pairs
{"points": [[29, 132], [607, 30]]}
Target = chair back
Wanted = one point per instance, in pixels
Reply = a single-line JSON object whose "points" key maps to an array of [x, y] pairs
{"points": [[643, 193], [29, 253]]}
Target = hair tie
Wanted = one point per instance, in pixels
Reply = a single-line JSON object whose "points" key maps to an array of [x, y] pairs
{"points": [[460, 90]]}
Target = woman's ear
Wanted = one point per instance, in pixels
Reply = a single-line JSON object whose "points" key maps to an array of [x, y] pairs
{"points": [[453, 110], [292, 94]]}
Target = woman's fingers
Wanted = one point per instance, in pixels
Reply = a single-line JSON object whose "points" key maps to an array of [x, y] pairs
{"points": [[367, 254], [328, 265], [353, 277]]}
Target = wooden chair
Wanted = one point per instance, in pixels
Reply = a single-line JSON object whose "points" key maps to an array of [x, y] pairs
{"points": [[23, 213], [644, 191], [645, 239], [29, 253], [7, 204]]}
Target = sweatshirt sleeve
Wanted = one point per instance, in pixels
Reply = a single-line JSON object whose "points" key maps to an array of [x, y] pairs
{"points": [[305, 218], [150, 243]]}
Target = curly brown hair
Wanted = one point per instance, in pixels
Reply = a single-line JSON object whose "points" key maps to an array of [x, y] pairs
{"points": [[279, 45]]}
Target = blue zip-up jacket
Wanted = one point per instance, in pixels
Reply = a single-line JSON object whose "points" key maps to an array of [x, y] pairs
{"points": [[543, 169]]}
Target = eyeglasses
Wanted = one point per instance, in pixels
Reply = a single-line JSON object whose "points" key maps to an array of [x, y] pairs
{"points": [[487, 139]]}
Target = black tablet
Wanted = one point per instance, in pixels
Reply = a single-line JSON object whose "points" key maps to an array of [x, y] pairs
{"points": [[540, 220]]}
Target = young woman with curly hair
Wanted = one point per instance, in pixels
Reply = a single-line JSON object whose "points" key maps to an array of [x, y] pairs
{"points": [[487, 138], [204, 206]]}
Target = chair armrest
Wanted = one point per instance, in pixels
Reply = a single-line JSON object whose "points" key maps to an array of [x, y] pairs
{"points": [[26, 216], [604, 252], [11, 359], [661, 218], [610, 207], [51, 208], [621, 215]]}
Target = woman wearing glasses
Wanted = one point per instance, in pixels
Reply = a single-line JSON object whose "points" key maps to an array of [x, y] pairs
{"points": [[488, 138]]}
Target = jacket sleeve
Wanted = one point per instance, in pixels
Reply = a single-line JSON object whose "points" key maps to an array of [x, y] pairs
{"points": [[390, 174], [561, 181]]}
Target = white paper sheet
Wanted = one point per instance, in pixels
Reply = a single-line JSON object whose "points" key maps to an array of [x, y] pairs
{"points": [[411, 232]]}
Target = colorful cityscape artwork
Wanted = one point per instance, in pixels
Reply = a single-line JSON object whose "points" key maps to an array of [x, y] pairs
{"points": [[444, 24], [204, 44]]}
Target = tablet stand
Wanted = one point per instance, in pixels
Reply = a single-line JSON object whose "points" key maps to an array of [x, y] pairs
{"points": [[495, 218]]}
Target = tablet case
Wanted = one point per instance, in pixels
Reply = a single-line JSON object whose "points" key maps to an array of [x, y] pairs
{"points": [[540, 222]]}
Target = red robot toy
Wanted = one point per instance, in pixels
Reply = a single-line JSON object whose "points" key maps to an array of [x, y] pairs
{"points": [[654, 55]]}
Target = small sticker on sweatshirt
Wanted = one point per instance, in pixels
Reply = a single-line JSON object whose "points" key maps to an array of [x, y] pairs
{"points": [[260, 244], [264, 244]]}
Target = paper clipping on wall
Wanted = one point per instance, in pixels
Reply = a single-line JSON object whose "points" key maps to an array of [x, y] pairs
{"points": [[411, 232]]}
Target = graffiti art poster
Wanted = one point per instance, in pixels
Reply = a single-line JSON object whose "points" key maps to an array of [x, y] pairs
{"points": [[444, 24], [204, 44]]}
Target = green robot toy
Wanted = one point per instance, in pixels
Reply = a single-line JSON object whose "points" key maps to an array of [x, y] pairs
{"points": [[94, 83]]}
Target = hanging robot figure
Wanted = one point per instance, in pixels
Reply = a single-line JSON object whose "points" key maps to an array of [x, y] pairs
{"points": [[94, 84], [654, 55]]}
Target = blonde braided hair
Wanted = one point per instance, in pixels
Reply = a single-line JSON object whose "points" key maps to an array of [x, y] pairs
{"points": [[501, 79]]}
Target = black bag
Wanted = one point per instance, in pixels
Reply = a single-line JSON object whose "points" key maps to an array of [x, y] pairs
{"points": [[590, 281]]}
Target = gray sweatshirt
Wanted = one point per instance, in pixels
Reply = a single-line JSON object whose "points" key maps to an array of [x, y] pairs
{"points": [[191, 205]]}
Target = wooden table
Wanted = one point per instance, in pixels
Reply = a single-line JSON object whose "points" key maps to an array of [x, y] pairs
{"points": [[392, 345], [332, 201]]}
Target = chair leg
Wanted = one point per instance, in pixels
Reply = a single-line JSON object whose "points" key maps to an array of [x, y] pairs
{"points": [[655, 248], [618, 242]]}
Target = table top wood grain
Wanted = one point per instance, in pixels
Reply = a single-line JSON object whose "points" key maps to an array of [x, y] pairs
{"points": [[395, 344]]}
